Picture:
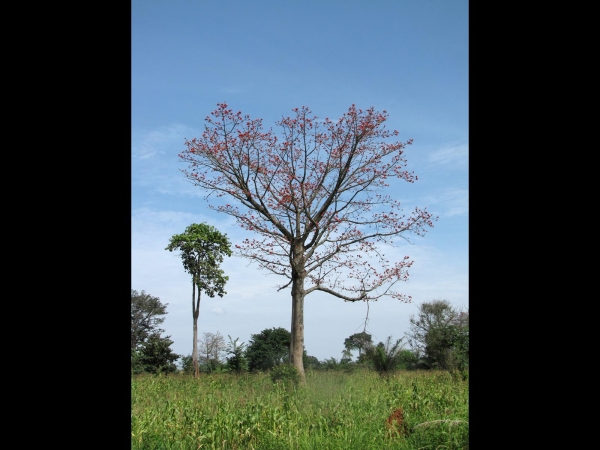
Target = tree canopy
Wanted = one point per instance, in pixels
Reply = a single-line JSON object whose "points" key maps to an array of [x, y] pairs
{"points": [[440, 332], [147, 313], [358, 341], [202, 248], [156, 355], [268, 348]]}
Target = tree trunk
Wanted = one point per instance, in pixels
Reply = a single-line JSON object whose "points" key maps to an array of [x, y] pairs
{"points": [[297, 331], [195, 313]]}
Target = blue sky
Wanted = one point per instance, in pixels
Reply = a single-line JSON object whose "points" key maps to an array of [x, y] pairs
{"points": [[264, 58]]}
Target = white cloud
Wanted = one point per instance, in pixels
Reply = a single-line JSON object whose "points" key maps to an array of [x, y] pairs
{"points": [[155, 163], [156, 143], [453, 156], [448, 202]]}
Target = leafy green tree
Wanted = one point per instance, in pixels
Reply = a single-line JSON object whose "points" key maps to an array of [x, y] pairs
{"points": [[461, 342], [441, 333], [187, 364], [311, 362], [358, 341], [237, 362], [147, 314], [202, 249], [286, 374], [268, 348], [137, 365], [385, 357], [408, 360], [156, 355]]}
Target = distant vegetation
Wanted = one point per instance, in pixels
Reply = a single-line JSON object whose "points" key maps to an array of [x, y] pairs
{"points": [[438, 339]]}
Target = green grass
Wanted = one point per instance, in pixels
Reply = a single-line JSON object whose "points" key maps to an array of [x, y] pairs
{"points": [[333, 411]]}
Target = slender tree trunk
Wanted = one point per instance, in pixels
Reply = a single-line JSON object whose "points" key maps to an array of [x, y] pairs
{"points": [[195, 313], [297, 331]]}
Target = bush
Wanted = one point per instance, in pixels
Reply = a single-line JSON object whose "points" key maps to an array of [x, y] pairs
{"points": [[286, 373], [187, 364], [137, 366], [385, 357], [407, 360], [154, 356], [237, 362], [267, 349]]}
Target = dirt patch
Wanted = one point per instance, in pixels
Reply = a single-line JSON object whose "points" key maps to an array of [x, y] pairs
{"points": [[396, 422]]}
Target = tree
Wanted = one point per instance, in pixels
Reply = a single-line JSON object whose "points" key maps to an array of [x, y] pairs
{"points": [[441, 333], [385, 357], [211, 347], [156, 355], [333, 364], [268, 348], [313, 199], [461, 342], [146, 312], [408, 360], [202, 248], [311, 362], [187, 364], [237, 362], [358, 341]]}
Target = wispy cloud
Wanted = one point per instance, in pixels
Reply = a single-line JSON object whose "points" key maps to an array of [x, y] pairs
{"points": [[448, 202], [453, 156], [155, 163], [160, 142]]}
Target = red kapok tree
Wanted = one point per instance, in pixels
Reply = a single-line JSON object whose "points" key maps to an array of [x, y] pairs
{"points": [[312, 198]]}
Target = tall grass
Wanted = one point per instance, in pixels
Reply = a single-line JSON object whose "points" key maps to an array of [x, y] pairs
{"points": [[332, 411]]}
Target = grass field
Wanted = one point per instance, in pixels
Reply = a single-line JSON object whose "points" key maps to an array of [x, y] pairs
{"points": [[335, 410]]}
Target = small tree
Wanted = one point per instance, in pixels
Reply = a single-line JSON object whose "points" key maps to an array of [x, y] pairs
{"points": [[461, 341], [385, 357], [358, 341], [147, 314], [237, 362], [202, 248], [210, 349], [137, 365], [408, 360], [313, 199], [157, 356], [187, 364], [311, 362], [268, 348], [441, 333], [286, 374]]}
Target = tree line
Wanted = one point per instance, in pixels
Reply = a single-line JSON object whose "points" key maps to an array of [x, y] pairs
{"points": [[438, 339]]}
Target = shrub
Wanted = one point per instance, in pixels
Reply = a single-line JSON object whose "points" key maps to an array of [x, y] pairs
{"points": [[385, 357], [286, 373]]}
